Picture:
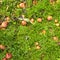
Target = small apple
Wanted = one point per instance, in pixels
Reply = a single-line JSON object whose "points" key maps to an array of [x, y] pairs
{"points": [[55, 38], [2, 47], [32, 20], [49, 18], [37, 47], [8, 55], [22, 5], [24, 23], [56, 21], [39, 19]]}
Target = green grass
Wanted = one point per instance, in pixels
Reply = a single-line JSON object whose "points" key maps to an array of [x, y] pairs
{"points": [[15, 36]]}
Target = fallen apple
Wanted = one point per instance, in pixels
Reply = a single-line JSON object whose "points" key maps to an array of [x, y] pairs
{"points": [[49, 18], [39, 19], [55, 38], [37, 47], [24, 23], [8, 55], [56, 21], [22, 5], [32, 20], [2, 47]]}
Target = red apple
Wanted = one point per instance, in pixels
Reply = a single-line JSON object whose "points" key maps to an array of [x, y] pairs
{"points": [[8, 55], [39, 19], [24, 23], [22, 5], [2, 47], [49, 18]]}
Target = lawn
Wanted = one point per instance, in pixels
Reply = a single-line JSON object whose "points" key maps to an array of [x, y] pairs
{"points": [[32, 39]]}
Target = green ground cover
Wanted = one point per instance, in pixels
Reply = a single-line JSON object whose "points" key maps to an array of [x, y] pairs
{"points": [[20, 40]]}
